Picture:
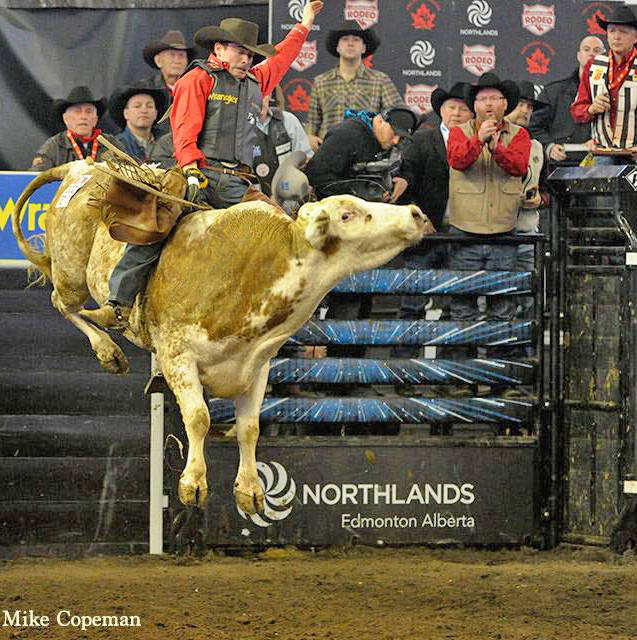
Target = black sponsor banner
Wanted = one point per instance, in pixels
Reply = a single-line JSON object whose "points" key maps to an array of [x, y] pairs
{"points": [[321, 492], [430, 43]]}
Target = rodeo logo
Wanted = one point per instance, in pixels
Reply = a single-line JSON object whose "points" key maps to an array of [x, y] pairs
{"points": [[538, 18], [418, 96], [478, 58], [279, 489], [365, 12], [479, 14], [422, 54], [307, 57]]}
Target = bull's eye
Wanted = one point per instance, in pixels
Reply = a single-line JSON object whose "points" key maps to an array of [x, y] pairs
{"points": [[346, 216], [368, 217]]}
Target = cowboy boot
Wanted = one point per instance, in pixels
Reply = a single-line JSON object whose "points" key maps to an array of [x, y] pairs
{"points": [[110, 316]]}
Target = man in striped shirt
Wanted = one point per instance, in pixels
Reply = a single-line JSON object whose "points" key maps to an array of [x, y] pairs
{"points": [[349, 85]]}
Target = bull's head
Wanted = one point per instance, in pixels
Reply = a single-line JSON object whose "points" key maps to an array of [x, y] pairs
{"points": [[373, 232]]}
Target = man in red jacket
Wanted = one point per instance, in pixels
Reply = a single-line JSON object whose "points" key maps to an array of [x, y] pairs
{"points": [[607, 91], [216, 106], [217, 103]]}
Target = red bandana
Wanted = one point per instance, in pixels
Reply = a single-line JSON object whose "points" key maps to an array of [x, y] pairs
{"points": [[76, 147], [615, 80]]}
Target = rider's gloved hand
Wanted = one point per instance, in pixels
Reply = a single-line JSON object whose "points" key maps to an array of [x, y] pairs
{"points": [[196, 180]]}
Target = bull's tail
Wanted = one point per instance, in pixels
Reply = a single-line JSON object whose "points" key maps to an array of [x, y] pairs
{"points": [[40, 258]]}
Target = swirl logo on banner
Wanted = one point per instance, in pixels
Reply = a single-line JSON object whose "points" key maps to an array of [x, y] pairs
{"points": [[279, 489], [479, 13], [422, 53], [295, 7]]}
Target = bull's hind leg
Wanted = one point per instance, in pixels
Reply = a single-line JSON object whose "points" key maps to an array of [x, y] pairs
{"points": [[109, 355], [183, 378], [248, 491]]}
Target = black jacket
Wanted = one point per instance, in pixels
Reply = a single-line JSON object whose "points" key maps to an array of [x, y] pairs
{"points": [[426, 170], [554, 122], [345, 144]]}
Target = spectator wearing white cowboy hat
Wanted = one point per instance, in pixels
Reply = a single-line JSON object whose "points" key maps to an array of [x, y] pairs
{"points": [[349, 85], [79, 111], [135, 110]]}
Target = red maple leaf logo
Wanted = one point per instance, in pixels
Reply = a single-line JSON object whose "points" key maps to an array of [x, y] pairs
{"points": [[593, 25], [369, 61], [299, 100], [423, 18], [537, 62]]}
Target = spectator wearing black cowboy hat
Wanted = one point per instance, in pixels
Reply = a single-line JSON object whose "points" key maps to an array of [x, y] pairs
{"points": [[169, 56], [349, 85], [135, 110], [488, 158], [608, 85], [79, 111]]}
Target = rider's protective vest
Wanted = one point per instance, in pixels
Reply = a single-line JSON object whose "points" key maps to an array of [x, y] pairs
{"points": [[230, 124]]}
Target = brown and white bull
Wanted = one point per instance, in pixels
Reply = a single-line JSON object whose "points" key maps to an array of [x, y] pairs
{"points": [[230, 288]]}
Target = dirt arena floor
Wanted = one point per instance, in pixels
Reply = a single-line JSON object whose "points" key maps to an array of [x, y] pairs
{"points": [[357, 594]]}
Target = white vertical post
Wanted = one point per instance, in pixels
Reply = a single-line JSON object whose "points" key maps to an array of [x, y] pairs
{"points": [[155, 528]]}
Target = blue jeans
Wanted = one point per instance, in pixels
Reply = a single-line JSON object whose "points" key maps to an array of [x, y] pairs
{"points": [[413, 307], [476, 257]]}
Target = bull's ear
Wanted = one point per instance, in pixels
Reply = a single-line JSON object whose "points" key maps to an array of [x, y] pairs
{"points": [[317, 229]]}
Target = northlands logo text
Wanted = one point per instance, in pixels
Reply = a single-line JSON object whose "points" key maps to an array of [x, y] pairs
{"points": [[422, 54], [479, 14]]}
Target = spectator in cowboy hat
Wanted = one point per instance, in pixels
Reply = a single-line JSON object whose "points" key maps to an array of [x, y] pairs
{"points": [[607, 85], [79, 112], [488, 159], [216, 105], [349, 85], [170, 56], [135, 110]]}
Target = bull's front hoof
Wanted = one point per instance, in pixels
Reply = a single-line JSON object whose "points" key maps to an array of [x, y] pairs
{"points": [[250, 497], [191, 493], [112, 359]]}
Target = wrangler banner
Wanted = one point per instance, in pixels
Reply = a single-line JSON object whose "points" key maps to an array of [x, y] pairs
{"points": [[12, 184]]}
